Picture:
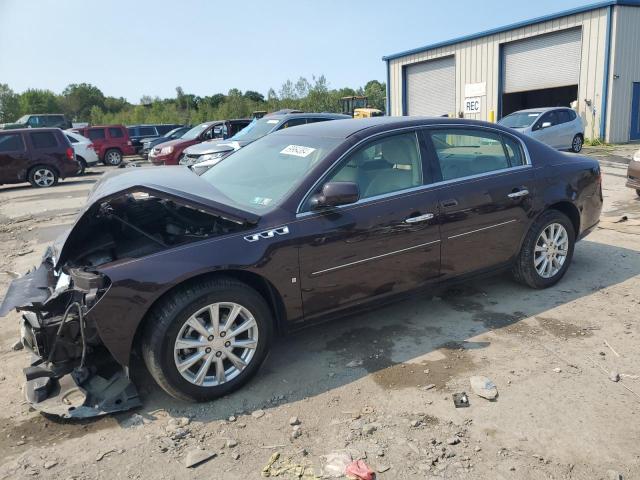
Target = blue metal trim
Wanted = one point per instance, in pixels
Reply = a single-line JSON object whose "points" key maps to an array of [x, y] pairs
{"points": [[513, 26], [388, 102], [500, 81], [404, 90], [605, 82]]}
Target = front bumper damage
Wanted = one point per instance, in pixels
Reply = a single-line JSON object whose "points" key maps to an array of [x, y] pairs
{"points": [[71, 374]]}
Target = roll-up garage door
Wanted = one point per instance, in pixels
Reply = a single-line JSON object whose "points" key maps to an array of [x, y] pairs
{"points": [[431, 87], [547, 61]]}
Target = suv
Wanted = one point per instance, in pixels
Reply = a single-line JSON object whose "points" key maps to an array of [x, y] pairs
{"points": [[213, 152], [111, 142], [138, 133], [40, 157], [41, 120], [168, 153]]}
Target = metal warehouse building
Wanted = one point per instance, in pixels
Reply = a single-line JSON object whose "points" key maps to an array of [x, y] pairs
{"points": [[588, 55]]}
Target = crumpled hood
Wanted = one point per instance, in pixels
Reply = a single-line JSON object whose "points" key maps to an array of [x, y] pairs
{"points": [[176, 183], [215, 146]]}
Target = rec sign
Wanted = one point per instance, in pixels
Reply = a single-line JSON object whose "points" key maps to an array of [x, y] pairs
{"points": [[472, 105]]}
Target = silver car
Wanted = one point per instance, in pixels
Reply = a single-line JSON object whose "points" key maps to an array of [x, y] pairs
{"points": [[558, 127]]}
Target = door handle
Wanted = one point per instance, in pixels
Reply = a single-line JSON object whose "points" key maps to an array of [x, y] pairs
{"points": [[449, 203], [419, 218], [520, 193]]}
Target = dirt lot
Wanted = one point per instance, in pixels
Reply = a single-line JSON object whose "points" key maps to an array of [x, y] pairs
{"points": [[360, 385]]}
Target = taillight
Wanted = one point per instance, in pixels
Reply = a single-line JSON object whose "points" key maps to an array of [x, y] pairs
{"points": [[70, 154]]}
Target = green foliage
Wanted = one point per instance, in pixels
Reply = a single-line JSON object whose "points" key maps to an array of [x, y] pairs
{"points": [[594, 142], [86, 103]]}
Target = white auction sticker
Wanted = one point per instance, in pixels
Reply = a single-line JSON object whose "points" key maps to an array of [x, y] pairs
{"points": [[298, 151]]}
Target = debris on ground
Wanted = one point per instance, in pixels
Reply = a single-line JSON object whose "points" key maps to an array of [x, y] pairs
{"points": [[336, 464], [354, 364], [359, 471], [484, 387], [294, 421], [101, 455], [257, 414], [287, 467], [614, 376], [197, 456], [17, 346], [460, 400]]}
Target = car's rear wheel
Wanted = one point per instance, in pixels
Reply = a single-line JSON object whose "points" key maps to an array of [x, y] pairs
{"points": [[206, 340], [43, 176], [547, 251], [576, 144], [113, 157]]}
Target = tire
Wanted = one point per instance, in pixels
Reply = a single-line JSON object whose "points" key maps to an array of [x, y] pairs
{"points": [[524, 269], [168, 322], [43, 176], [577, 143], [113, 157], [83, 164]]}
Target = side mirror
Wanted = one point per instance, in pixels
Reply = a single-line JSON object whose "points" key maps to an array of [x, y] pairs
{"points": [[545, 125], [335, 194]]}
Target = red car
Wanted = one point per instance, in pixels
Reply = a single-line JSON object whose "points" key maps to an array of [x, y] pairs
{"points": [[111, 142], [168, 153]]}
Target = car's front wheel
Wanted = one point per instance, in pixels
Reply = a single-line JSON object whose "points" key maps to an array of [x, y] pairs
{"points": [[576, 144], [113, 157], [207, 339], [546, 251]]}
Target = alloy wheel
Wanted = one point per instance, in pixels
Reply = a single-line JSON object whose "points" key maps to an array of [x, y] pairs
{"points": [[43, 177], [113, 158], [577, 143], [551, 250], [216, 344]]}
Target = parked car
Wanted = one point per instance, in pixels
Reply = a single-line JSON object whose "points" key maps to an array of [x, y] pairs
{"points": [[139, 133], [558, 127], [168, 153], [207, 154], [199, 273], [149, 143], [84, 149], [39, 157], [633, 173], [41, 120], [111, 142]]}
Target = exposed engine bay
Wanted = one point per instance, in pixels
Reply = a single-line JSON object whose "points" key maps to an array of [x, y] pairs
{"points": [[72, 374], [139, 224]]}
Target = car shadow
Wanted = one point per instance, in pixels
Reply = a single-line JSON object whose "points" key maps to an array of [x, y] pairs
{"points": [[69, 181], [395, 344]]}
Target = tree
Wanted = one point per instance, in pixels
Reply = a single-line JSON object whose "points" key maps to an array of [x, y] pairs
{"points": [[78, 99], [39, 101], [9, 104], [376, 93], [254, 96]]}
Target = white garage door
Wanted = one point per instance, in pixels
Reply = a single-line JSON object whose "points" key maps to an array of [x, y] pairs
{"points": [[546, 61], [431, 87]]}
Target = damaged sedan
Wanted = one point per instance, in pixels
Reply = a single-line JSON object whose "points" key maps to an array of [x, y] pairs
{"points": [[197, 274]]}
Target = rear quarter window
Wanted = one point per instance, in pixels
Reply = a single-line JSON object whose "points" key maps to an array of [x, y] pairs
{"points": [[43, 139], [11, 142]]}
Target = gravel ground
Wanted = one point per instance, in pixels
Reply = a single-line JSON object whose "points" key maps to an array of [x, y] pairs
{"points": [[376, 386]]}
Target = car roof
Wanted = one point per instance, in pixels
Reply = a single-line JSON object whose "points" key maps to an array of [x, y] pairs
{"points": [[34, 130], [288, 116], [541, 110], [350, 126]]}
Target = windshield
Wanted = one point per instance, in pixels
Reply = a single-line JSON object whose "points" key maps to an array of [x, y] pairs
{"points": [[170, 133], [195, 131], [256, 129], [519, 119], [258, 177]]}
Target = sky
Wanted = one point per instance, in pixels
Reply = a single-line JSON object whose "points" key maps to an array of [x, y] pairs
{"points": [[132, 48]]}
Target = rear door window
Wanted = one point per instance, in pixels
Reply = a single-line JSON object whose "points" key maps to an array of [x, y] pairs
{"points": [[43, 139], [466, 152], [563, 116], [115, 132], [96, 133], [11, 142], [71, 139]]}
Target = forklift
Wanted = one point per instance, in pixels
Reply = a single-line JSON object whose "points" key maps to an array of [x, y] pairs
{"points": [[358, 107]]}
